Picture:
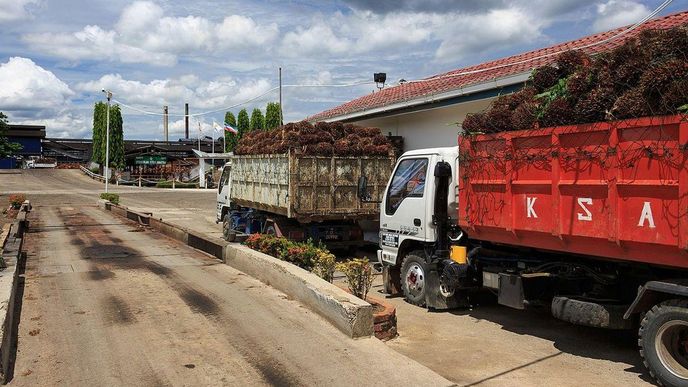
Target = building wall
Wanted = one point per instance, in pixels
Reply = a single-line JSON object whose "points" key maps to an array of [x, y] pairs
{"points": [[31, 146], [428, 128]]}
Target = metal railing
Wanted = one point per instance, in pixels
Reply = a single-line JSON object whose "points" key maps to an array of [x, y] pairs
{"points": [[140, 181], [91, 174]]}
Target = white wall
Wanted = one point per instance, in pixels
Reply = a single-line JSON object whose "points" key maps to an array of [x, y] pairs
{"points": [[429, 128]]}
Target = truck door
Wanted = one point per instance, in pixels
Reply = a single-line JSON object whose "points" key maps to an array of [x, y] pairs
{"points": [[223, 189], [403, 208]]}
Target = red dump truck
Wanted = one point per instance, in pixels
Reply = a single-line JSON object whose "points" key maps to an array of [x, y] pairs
{"points": [[589, 220]]}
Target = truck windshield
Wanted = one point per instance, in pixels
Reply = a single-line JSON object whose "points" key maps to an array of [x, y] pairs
{"points": [[224, 179], [408, 181]]}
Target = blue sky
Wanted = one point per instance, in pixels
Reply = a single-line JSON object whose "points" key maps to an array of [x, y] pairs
{"points": [[56, 56]]}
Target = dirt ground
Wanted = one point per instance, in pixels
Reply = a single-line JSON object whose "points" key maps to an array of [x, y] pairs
{"points": [[106, 302], [488, 345], [492, 345]]}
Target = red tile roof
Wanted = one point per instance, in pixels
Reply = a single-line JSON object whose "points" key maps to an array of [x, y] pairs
{"points": [[500, 68]]}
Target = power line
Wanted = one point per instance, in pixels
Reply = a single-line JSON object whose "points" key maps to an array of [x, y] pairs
{"points": [[142, 111]]}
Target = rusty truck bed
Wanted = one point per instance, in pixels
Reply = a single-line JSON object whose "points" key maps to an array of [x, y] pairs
{"points": [[616, 189]]}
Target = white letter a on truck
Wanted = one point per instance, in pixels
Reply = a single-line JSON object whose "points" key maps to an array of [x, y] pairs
{"points": [[646, 215], [530, 202]]}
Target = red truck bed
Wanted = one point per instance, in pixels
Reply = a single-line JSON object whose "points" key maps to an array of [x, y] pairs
{"points": [[616, 189]]}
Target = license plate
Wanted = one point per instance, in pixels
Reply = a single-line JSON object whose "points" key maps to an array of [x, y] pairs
{"points": [[389, 239]]}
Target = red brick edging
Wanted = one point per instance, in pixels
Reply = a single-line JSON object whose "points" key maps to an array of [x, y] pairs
{"points": [[384, 322]]}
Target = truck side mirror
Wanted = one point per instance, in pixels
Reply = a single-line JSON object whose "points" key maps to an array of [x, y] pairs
{"points": [[443, 169], [363, 188]]}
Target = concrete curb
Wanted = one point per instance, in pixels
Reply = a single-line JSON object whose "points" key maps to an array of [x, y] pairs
{"points": [[349, 314], [11, 254]]}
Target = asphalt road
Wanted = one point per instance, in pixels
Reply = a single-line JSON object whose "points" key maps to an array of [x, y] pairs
{"points": [[489, 345], [106, 302]]}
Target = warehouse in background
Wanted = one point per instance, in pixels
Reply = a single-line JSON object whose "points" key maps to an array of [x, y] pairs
{"points": [[427, 113], [30, 137]]}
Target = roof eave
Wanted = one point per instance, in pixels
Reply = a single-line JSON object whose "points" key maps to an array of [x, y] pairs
{"points": [[429, 99]]}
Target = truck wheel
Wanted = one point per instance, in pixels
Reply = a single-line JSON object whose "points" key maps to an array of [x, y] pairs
{"points": [[663, 341], [227, 231], [413, 278], [270, 230]]}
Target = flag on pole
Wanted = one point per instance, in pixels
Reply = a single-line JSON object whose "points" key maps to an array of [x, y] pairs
{"points": [[230, 129], [217, 127]]}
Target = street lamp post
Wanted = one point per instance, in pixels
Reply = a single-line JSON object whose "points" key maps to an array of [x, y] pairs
{"points": [[107, 140]]}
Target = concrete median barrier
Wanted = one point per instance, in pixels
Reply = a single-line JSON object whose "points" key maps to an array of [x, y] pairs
{"points": [[171, 231], [349, 314], [13, 259], [207, 244]]}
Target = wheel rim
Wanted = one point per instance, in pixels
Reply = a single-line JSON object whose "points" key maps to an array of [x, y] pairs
{"points": [[415, 280], [671, 345], [445, 291]]}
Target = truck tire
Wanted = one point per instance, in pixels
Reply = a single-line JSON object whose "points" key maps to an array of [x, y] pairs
{"points": [[227, 233], [413, 283], [590, 314], [271, 230], [663, 342]]}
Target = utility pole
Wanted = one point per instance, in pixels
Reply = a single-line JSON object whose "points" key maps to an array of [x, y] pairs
{"points": [[107, 140], [199, 135], [165, 122], [280, 96], [186, 120]]}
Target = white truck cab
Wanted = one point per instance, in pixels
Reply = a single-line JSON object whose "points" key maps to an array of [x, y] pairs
{"points": [[223, 190], [418, 226], [407, 208]]}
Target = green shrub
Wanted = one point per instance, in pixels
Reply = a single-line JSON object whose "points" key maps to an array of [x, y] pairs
{"points": [[359, 276], [325, 265], [111, 197], [16, 200], [305, 255]]}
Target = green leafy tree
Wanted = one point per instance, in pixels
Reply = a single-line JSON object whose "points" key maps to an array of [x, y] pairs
{"points": [[99, 117], [243, 123], [116, 138], [231, 139], [272, 116], [116, 135], [6, 148], [257, 120]]}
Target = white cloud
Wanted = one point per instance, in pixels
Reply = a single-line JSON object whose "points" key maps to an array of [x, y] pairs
{"points": [[66, 125], [12, 10], [33, 95], [200, 94], [29, 89], [144, 35], [137, 18], [237, 31], [474, 34], [317, 39], [359, 32], [456, 33], [618, 13], [177, 127], [94, 43]]}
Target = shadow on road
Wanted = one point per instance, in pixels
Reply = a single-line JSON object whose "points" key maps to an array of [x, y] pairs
{"points": [[595, 343]]}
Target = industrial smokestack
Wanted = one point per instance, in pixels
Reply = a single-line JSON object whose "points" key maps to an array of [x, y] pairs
{"points": [[186, 120], [165, 123]]}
